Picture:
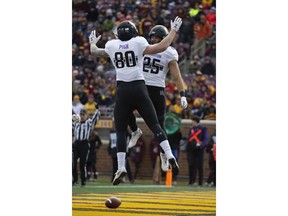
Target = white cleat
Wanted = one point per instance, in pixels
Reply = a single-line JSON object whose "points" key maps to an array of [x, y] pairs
{"points": [[118, 175], [134, 138], [164, 162]]}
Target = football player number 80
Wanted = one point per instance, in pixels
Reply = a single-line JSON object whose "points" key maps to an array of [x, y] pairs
{"points": [[127, 59]]}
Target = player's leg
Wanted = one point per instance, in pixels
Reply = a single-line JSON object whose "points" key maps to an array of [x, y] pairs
{"points": [[122, 110], [148, 113], [132, 122], [158, 99]]}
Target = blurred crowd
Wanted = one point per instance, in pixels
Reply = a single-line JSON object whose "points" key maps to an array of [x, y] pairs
{"points": [[94, 79]]}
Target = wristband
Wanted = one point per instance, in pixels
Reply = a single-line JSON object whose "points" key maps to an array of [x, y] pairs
{"points": [[182, 93]]}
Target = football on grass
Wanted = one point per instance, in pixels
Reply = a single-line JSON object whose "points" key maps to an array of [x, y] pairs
{"points": [[112, 202]]}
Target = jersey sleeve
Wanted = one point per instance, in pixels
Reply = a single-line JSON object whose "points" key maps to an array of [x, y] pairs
{"points": [[172, 54], [108, 47], [142, 43]]}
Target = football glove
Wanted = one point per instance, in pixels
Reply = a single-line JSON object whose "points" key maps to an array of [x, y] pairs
{"points": [[176, 23], [183, 102], [92, 37]]}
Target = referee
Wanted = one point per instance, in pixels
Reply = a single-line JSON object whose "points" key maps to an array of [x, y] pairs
{"points": [[82, 131]]}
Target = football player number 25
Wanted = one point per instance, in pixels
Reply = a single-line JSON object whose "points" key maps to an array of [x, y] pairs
{"points": [[151, 66], [127, 59]]}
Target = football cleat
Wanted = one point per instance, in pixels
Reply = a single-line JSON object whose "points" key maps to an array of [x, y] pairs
{"points": [[164, 162], [174, 166], [134, 138], [118, 176]]}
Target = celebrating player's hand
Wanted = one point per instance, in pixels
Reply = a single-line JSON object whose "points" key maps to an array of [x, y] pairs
{"points": [[176, 23], [184, 102], [92, 37]]}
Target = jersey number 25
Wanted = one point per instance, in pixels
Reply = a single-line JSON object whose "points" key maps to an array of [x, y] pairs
{"points": [[151, 66]]}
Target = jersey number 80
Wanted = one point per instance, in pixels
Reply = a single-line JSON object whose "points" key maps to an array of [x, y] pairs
{"points": [[128, 59]]}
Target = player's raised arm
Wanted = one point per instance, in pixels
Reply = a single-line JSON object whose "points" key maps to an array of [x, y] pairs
{"points": [[165, 43], [176, 75], [100, 52]]}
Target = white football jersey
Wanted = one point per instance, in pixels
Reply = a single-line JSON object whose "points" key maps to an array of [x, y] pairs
{"points": [[127, 58], [155, 67]]}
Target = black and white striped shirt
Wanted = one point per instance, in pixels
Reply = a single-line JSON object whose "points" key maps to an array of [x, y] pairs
{"points": [[83, 129]]}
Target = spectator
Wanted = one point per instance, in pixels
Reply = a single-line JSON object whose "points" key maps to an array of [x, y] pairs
{"points": [[82, 95], [92, 14], [89, 63], [154, 151], [195, 64], [211, 16], [211, 115], [91, 105], [193, 12], [196, 143], [77, 58], [158, 19], [207, 3], [202, 31], [197, 108], [146, 24], [77, 105], [75, 82], [109, 21], [186, 34], [208, 67], [137, 153], [88, 88], [96, 95], [176, 108]]}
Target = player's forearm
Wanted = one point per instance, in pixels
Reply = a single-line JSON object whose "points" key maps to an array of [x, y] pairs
{"points": [[99, 52], [176, 75], [180, 85], [178, 80], [162, 46], [165, 43]]}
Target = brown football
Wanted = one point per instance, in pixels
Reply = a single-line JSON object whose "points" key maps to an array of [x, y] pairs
{"points": [[112, 202]]}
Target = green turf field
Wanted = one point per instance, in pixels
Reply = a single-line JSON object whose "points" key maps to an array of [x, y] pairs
{"points": [[143, 198]]}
